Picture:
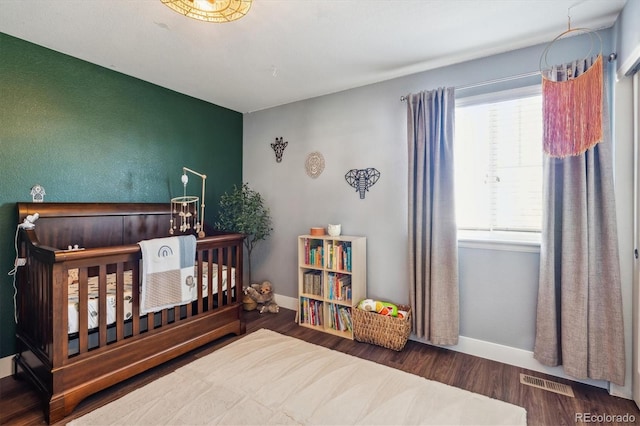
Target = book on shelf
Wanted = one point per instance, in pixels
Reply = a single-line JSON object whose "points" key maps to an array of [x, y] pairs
{"points": [[340, 318], [339, 255], [313, 252], [312, 283], [317, 312], [339, 286], [311, 311], [345, 315], [317, 283], [304, 310]]}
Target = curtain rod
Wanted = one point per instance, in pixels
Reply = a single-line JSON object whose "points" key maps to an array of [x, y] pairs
{"points": [[489, 82], [612, 57]]}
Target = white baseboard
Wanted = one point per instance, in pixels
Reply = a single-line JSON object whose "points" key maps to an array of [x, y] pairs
{"points": [[6, 368], [513, 356], [287, 302]]}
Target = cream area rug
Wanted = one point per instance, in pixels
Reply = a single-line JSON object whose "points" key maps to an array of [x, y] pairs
{"points": [[266, 378]]}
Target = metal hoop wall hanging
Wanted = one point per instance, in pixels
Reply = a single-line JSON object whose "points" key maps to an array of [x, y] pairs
{"points": [[592, 35]]}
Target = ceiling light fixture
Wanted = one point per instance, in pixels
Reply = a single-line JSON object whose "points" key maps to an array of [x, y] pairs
{"points": [[211, 10]]}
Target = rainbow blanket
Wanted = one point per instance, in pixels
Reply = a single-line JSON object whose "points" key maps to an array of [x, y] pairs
{"points": [[167, 272]]}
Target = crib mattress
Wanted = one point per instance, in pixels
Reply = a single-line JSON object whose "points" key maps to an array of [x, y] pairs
{"points": [[93, 301]]}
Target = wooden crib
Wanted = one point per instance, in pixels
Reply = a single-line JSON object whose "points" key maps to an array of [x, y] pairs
{"points": [[67, 366]]}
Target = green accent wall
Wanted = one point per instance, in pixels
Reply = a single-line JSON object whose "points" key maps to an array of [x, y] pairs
{"points": [[90, 134]]}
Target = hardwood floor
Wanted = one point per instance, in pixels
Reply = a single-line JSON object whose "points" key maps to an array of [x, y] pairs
{"points": [[19, 403]]}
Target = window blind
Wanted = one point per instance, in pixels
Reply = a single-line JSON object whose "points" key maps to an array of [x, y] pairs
{"points": [[498, 161]]}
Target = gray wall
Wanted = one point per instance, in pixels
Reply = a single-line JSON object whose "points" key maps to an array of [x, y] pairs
{"points": [[366, 127], [627, 32], [498, 292]]}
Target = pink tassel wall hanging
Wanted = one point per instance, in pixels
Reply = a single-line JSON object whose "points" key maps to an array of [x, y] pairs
{"points": [[572, 112]]}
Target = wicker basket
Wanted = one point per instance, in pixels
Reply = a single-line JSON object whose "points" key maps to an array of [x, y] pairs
{"points": [[382, 330]]}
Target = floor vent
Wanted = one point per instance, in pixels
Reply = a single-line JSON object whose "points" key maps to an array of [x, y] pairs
{"points": [[537, 382]]}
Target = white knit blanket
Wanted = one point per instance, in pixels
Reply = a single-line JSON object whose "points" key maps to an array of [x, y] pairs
{"points": [[167, 272]]}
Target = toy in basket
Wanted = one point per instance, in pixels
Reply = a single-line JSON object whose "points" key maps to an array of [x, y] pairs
{"points": [[382, 323]]}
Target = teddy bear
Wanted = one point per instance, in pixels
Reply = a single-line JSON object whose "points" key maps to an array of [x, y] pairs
{"points": [[262, 294]]}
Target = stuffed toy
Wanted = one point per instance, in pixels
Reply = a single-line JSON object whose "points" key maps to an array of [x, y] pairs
{"points": [[383, 308], [248, 303], [262, 294]]}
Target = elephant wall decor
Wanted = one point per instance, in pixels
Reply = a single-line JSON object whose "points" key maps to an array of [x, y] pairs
{"points": [[362, 179]]}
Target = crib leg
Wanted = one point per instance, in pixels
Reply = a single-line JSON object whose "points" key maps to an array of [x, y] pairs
{"points": [[54, 410], [243, 323], [14, 368]]}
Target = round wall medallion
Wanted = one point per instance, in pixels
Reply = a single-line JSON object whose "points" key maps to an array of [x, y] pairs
{"points": [[314, 164]]}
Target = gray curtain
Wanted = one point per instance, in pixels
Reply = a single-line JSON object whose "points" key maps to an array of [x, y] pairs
{"points": [[579, 314], [433, 250]]}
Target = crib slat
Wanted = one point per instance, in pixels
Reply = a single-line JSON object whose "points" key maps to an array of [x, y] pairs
{"points": [[189, 309], [219, 294], [102, 305], [210, 279], [83, 311], [43, 294], [229, 262], [238, 249], [120, 301], [37, 293], [135, 300], [63, 283], [236, 275], [40, 295], [165, 317], [199, 281]]}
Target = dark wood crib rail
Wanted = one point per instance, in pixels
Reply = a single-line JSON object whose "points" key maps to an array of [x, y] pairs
{"points": [[107, 354]]}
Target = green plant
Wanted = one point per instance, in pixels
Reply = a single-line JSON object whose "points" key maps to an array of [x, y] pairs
{"points": [[243, 211]]}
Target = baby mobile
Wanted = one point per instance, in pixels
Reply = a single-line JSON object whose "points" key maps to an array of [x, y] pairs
{"points": [[184, 210]]}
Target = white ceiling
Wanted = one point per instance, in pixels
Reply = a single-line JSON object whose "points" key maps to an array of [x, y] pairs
{"points": [[288, 50]]}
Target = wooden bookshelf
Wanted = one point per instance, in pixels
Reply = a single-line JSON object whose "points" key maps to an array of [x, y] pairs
{"points": [[332, 279]]}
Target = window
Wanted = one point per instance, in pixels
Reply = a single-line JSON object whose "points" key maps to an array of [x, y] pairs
{"points": [[498, 161]]}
